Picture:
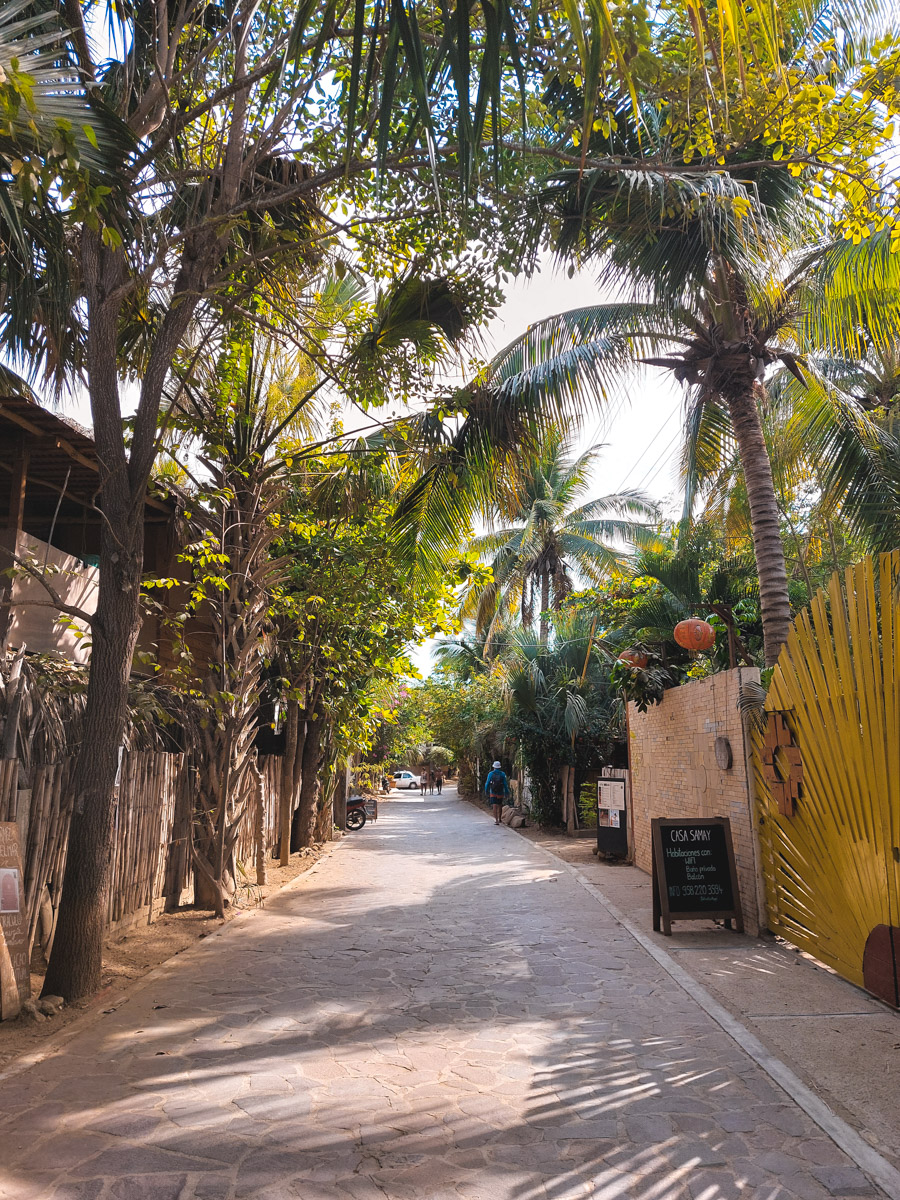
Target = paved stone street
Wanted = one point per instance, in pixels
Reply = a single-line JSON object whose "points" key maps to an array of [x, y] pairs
{"points": [[437, 1012]]}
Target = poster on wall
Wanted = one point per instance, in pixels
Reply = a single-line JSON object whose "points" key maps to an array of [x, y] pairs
{"points": [[611, 794], [9, 890], [15, 974]]}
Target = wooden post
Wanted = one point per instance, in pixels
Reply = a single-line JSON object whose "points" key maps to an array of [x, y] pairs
{"points": [[9, 537]]}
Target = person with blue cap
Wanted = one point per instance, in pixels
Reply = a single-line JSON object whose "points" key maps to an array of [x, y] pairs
{"points": [[496, 788]]}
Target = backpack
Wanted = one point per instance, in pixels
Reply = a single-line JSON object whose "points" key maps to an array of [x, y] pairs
{"points": [[496, 784]]}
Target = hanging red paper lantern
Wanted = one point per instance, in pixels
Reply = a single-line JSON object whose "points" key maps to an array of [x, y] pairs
{"points": [[634, 658], [695, 634]]}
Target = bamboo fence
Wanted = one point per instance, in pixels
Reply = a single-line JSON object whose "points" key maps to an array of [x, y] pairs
{"points": [[151, 861], [9, 770]]}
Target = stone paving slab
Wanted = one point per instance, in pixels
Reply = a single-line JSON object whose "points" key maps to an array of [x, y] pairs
{"points": [[434, 1013]]}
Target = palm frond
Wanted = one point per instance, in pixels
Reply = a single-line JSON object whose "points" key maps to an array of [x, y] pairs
{"points": [[850, 296]]}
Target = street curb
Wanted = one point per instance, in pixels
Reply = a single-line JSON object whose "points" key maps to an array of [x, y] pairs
{"points": [[111, 1003], [870, 1162]]}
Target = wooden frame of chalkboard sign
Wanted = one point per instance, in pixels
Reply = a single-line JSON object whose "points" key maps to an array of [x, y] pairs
{"points": [[687, 888]]}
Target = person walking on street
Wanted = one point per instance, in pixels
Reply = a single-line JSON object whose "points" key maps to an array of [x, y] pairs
{"points": [[496, 788], [439, 781], [423, 783], [431, 782]]}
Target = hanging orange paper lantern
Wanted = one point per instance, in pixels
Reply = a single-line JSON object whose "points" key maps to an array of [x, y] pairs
{"points": [[634, 658], [695, 634]]}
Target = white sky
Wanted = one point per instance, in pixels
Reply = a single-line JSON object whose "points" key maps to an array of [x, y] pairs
{"points": [[642, 430]]}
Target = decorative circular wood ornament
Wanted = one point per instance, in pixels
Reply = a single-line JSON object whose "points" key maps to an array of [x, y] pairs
{"points": [[782, 764], [694, 634], [724, 755]]}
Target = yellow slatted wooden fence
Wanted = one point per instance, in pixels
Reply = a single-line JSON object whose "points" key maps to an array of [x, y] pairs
{"points": [[831, 859]]}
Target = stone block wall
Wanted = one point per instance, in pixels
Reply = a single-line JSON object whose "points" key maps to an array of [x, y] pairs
{"points": [[674, 773]]}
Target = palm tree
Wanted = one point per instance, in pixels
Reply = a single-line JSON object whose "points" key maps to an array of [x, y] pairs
{"points": [[848, 422], [719, 270], [462, 657], [544, 540], [557, 691], [695, 576], [835, 438]]}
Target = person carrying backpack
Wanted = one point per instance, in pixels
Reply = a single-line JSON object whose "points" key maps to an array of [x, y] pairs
{"points": [[496, 788]]}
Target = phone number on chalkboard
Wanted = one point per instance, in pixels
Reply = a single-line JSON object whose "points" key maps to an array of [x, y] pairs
{"points": [[701, 889]]}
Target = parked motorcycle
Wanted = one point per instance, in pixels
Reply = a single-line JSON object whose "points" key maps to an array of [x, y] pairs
{"points": [[356, 812]]}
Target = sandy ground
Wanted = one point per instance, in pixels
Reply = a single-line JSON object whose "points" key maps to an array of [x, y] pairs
{"points": [[131, 954]]}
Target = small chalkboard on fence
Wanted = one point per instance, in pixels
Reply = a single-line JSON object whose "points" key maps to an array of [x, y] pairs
{"points": [[694, 875]]}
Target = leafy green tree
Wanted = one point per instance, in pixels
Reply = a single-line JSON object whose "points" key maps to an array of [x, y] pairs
{"points": [[351, 615], [470, 720]]}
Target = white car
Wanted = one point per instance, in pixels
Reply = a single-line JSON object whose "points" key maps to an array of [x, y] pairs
{"points": [[406, 779]]}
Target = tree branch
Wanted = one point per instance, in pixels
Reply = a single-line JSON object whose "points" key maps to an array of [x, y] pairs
{"points": [[56, 601]]}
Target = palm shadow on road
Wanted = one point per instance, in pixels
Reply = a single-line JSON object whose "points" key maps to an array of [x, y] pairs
{"points": [[493, 1034]]}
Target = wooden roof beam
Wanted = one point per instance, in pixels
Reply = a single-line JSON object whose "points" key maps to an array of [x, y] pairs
{"points": [[68, 448]]}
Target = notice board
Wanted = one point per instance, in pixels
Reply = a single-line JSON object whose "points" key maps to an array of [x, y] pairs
{"points": [[694, 874], [15, 973], [612, 822]]}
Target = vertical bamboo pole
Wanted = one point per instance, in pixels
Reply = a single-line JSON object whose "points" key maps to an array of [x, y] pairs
{"points": [[259, 823]]}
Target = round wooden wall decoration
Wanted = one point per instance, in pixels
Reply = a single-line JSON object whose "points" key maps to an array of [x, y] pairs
{"points": [[724, 756]]}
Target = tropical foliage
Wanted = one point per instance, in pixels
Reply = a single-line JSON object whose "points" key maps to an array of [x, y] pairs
{"points": [[542, 541], [350, 185]]}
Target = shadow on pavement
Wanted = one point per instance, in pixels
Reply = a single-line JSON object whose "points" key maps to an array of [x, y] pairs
{"points": [[438, 1012]]}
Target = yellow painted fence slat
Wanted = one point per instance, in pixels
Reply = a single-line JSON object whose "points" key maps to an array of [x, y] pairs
{"points": [[832, 869]]}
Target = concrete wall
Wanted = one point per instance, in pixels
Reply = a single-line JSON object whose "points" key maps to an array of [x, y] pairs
{"points": [[39, 627], [675, 773]]}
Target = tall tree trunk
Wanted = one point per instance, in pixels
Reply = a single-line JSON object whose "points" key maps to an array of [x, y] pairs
{"points": [[259, 823], [305, 817], [287, 780], [764, 520], [76, 958], [545, 606]]}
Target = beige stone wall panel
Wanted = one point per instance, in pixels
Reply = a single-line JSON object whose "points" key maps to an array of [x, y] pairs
{"points": [[675, 773]]}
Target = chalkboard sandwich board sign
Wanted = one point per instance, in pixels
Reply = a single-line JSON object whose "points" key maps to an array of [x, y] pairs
{"points": [[694, 875]]}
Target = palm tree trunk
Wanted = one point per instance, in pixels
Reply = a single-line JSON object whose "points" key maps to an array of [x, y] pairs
{"points": [[764, 520], [545, 606]]}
